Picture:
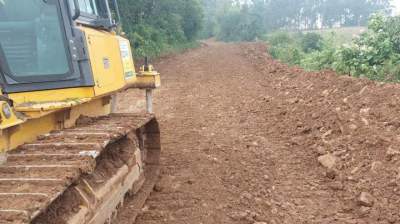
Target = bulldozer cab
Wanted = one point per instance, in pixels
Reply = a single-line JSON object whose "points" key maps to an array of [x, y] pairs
{"points": [[41, 47]]}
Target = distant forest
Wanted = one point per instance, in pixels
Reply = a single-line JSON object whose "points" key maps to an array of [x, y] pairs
{"points": [[237, 19], [158, 26]]}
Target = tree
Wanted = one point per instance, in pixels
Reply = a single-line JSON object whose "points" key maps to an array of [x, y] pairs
{"points": [[158, 25], [234, 19], [240, 23], [192, 15]]}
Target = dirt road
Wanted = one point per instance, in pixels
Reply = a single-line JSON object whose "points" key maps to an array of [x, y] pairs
{"points": [[249, 140]]}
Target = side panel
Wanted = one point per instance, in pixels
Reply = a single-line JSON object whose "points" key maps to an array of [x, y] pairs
{"points": [[52, 95], [106, 61]]}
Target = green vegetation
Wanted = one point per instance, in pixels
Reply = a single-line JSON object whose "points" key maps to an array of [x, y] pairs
{"points": [[310, 50], [238, 20], [238, 25], [286, 47], [156, 27], [375, 54]]}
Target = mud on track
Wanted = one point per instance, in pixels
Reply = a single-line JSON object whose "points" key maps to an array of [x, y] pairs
{"points": [[247, 139]]}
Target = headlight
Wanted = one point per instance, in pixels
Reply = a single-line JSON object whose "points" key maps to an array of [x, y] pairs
{"points": [[6, 110]]}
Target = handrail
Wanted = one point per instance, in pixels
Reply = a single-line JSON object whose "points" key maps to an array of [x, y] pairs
{"points": [[117, 11]]}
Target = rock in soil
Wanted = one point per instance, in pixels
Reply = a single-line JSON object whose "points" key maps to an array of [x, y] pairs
{"points": [[366, 199], [328, 161]]}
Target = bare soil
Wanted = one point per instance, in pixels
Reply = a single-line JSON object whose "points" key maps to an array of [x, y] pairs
{"points": [[247, 139]]}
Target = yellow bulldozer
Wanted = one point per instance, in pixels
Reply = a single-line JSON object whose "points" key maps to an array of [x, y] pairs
{"points": [[66, 155]]}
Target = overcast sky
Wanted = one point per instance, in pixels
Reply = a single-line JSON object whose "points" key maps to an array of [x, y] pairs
{"points": [[396, 3]]}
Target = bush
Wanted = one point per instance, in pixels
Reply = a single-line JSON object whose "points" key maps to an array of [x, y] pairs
{"points": [[374, 55], [285, 47], [318, 60], [280, 39], [311, 42], [322, 58]]}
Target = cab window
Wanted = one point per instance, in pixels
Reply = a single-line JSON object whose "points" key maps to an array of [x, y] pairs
{"points": [[93, 12], [32, 40], [87, 7]]}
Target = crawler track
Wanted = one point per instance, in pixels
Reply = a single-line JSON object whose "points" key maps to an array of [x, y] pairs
{"points": [[80, 175]]}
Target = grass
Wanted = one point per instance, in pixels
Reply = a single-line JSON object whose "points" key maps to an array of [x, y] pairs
{"points": [[339, 36], [342, 35]]}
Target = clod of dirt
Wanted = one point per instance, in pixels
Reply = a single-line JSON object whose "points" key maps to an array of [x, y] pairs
{"points": [[364, 210], [366, 199], [331, 174], [321, 151], [375, 166], [328, 161], [337, 186], [158, 188], [239, 215], [246, 195], [390, 153]]}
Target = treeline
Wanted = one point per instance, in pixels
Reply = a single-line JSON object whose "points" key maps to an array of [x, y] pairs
{"points": [[234, 20], [158, 26], [313, 14]]}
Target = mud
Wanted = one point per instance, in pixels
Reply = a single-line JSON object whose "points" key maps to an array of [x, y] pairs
{"points": [[68, 203], [247, 139], [117, 154]]}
